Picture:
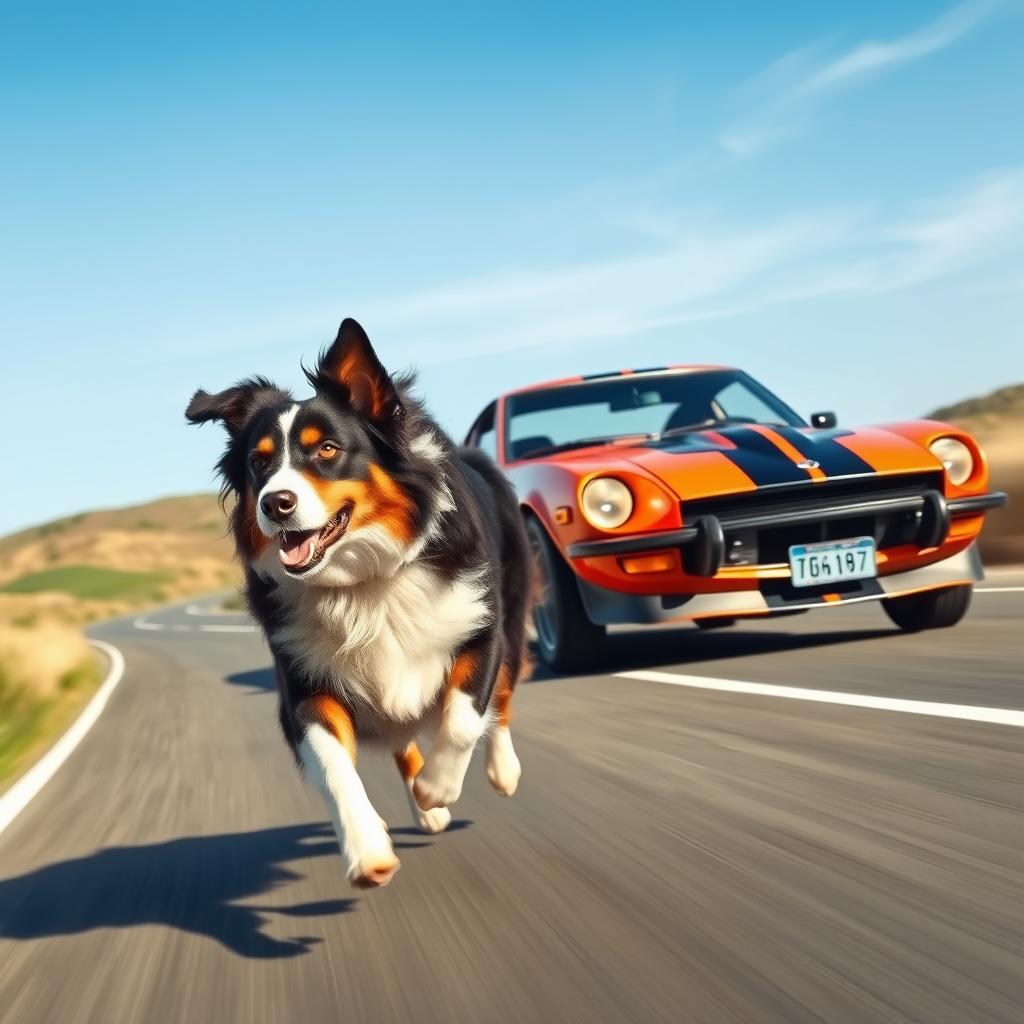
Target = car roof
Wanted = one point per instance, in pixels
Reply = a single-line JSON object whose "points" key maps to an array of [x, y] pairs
{"points": [[588, 378]]}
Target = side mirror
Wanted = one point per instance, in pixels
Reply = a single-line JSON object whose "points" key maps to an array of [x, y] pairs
{"points": [[823, 420]]}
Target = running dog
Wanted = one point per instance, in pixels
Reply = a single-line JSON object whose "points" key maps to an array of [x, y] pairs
{"points": [[390, 573]]}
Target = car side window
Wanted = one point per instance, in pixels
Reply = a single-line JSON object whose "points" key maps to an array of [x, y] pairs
{"points": [[484, 434]]}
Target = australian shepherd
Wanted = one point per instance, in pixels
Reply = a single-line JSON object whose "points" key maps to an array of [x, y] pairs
{"points": [[389, 571]]}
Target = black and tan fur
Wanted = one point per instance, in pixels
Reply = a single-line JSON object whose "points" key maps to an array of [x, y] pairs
{"points": [[390, 574]]}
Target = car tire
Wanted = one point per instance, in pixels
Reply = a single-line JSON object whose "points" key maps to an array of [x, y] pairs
{"points": [[933, 609], [567, 641]]}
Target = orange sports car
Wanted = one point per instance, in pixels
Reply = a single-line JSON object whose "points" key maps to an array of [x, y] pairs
{"points": [[693, 492]]}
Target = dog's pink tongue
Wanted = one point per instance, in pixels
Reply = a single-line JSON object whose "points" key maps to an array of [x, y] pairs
{"points": [[294, 555]]}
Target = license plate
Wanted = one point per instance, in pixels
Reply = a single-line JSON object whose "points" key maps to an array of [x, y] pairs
{"points": [[814, 565]]}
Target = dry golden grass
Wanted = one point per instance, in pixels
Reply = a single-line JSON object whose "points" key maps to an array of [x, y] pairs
{"points": [[997, 421], [1002, 540], [34, 660], [47, 673]]}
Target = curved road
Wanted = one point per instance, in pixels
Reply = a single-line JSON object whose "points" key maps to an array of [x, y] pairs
{"points": [[675, 853]]}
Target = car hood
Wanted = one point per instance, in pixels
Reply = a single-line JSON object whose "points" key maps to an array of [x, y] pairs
{"points": [[707, 463]]}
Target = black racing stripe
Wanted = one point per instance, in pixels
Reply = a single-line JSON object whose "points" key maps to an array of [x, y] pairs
{"points": [[762, 461], [683, 444], [834, 458]]}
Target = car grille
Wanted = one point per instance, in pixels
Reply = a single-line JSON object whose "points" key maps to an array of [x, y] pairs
{"points": [[750, 544]]}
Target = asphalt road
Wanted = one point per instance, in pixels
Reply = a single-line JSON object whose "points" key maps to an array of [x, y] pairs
{"points": [[673, 854]]}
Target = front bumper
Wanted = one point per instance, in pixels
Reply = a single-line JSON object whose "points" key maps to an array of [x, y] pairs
{"points": [[610, 607], [706, 543]]}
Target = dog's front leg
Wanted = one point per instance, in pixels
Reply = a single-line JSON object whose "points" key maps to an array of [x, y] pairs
{"points": [[463, 719], [327, 749]]}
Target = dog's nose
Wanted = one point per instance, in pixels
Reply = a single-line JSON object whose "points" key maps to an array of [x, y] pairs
{"points": [[278, 505]]}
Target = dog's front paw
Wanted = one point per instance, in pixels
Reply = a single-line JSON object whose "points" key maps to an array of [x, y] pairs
{"points": [[371, 858], [374, 871], [434, 789]]}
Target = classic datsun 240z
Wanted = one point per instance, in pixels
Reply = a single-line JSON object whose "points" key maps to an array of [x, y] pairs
{"points": [[693, 492]]}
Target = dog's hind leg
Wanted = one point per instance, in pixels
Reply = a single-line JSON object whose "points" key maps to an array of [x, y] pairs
{"points": [[503, 768], [409, 762], [327, 750], [463, 719]]}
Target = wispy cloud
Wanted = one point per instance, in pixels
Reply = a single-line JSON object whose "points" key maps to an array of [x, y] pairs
{"points": [[713, 272], [803, 80]]}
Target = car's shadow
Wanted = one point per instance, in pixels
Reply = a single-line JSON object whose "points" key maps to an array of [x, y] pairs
{"points": [[193, 884], [653, 648]]}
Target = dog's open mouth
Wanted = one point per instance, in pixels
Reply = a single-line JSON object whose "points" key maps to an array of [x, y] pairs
{"points": [[302, 549]]}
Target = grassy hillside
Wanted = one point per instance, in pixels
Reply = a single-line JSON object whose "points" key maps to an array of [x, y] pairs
{"points": [[997, 421], [990, 413], [97, 564], [91, 583]]}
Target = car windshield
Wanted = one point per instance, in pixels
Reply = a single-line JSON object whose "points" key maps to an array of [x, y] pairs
{"points": [[552, 419]]}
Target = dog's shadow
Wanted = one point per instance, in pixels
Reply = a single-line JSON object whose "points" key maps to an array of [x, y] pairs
{"points": [[258, 680], [192, 884], [457, 825]]}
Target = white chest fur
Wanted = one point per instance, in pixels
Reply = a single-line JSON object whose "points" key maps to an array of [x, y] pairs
{"points": [[386, 644]]}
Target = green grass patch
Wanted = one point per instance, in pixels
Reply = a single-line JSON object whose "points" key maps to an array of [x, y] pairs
{"points": [[233, 603], [91, 582]]}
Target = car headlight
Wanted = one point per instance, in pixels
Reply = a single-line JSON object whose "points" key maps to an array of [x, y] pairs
{"points": [[607, 502], [956, 457]]}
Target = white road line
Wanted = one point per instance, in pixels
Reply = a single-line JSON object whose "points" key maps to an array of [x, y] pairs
{"points": [[999, 590], [206, 627], [17, 798], [198, 609], [967, 712]]}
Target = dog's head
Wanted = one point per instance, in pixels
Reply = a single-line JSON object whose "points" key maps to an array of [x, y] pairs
{"points": [[335, 488]]}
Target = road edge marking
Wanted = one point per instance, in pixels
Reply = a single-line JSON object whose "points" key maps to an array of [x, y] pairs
{"points": [[18, 797], [937, 709]]}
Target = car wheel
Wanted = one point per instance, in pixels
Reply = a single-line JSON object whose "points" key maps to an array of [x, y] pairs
{"points": [[933, 609], [567, 641]]}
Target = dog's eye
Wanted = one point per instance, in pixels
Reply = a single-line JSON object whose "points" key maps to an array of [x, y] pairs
{"points": [[328, 450], [257, 462]]}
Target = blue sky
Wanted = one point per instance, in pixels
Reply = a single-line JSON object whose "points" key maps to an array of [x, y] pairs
{"points": [[830, 195]]}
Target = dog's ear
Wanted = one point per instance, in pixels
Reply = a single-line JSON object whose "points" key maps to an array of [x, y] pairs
{"points": [[351, 364], [233, 406]]}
